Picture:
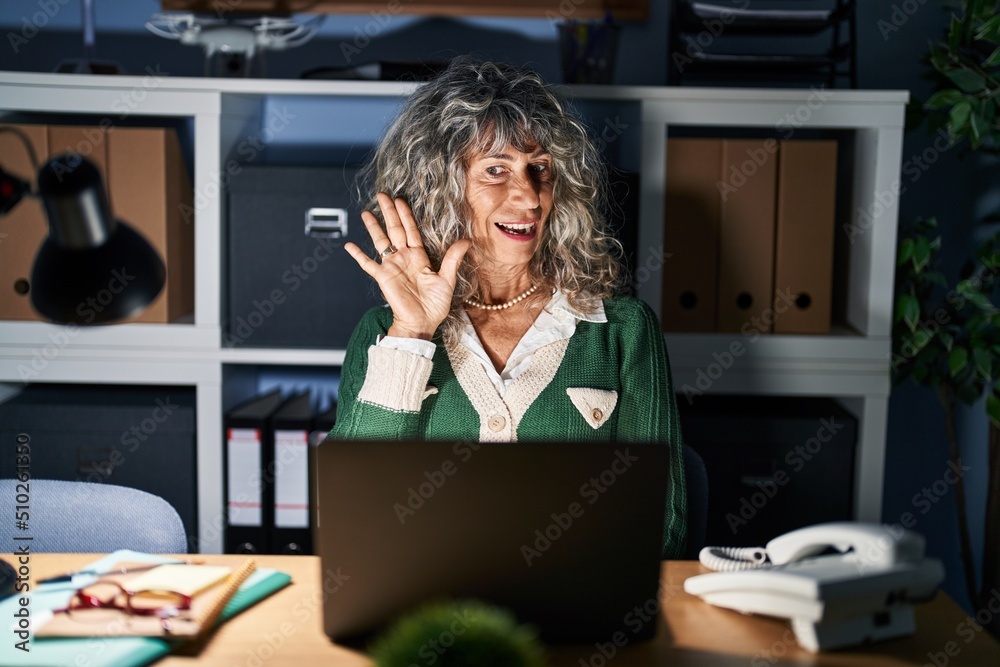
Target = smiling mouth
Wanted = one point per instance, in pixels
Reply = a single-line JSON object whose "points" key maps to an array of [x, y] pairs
{"points": [[517, 228]]}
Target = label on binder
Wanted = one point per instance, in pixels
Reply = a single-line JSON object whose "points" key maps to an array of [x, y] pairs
{"points": [[243, 472], [291, 479]]}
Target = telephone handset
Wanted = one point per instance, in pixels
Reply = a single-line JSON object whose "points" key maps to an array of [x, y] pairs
{"points": [[870, 544], [863, 591]]}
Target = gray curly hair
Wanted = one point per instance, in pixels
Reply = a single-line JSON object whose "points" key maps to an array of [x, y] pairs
{"points": [[472, 107]]}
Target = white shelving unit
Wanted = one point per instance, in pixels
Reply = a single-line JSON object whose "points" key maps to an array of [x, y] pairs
{"points": [[851, 364]]}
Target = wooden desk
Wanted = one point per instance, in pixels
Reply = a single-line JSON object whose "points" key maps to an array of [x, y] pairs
{"points": [[286, 629]]}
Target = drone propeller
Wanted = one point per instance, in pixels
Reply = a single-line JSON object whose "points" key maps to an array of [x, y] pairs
{"points": [[237, 39]]}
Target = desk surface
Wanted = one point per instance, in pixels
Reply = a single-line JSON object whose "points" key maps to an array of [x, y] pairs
{"points": [[286, 629]]}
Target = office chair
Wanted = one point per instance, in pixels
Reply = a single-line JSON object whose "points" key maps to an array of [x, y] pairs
{"points": [[87, 517], [700, 41], [696, 477]]}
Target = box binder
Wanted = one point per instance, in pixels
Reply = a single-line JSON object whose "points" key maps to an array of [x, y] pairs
{"points": [[291, 426], [691, 234], [290, 283], [321, 426], [151, 190], [746, 236], [803, 267], [23, 228], [249, 441], [147, 185]]}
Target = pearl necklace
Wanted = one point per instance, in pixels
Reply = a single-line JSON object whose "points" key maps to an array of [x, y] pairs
{"points": [[476, 303]]}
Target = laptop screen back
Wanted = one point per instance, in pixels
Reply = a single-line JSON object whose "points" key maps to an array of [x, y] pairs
{"points": [[566, 535]]}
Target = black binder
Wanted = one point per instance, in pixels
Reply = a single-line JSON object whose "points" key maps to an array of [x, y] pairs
{"points": [[321, 425], [249, 446], [289, 469]]}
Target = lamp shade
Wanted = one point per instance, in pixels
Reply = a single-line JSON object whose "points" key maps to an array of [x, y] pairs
{"points": [[91, 269]]}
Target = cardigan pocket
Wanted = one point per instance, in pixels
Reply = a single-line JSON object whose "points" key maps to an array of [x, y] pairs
{"points": [[596, 405]]}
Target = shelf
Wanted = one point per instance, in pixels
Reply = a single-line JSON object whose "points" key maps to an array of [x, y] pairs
{"points": [[852, 363]]}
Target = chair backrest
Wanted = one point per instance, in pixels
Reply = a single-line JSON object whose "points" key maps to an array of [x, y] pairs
{"points": [[87, 517], [696, 477]]}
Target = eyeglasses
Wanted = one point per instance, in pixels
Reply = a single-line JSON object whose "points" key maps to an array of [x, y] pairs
{"points": [[104, 601]]}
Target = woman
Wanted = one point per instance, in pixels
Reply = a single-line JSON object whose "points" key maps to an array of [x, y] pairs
{"points": [[502, 322]]}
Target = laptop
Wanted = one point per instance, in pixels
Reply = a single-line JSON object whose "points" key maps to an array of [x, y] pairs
{"points": [[567, 536]]}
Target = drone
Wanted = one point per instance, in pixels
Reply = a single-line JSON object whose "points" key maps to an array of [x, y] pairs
{"points": [[238, 41]]}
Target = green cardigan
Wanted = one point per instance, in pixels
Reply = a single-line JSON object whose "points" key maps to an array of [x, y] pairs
{"points": [[609, 382]]}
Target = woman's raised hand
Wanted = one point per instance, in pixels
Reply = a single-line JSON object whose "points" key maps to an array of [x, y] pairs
{"points": [[419, 297]]}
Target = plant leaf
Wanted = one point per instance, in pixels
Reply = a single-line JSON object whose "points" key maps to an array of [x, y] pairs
{"points": [[958, 119], [954, 33], [966, 79], [979, 128], [994, 58], [957, 360], [905, 252], [944, 98], [908, 310], [980, 300], [921, 253], [989, 31]]}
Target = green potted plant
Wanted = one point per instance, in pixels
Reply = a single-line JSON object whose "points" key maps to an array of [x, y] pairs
{"points": [[946, 333], [458, 633]]}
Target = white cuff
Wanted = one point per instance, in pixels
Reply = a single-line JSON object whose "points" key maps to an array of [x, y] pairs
{"points": [[424, 348], [396, 379]]}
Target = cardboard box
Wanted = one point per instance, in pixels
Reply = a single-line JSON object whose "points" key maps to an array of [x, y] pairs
{"points": [[23, 228], [746, 236], [691, 234], [803, 268], [149, 187]]}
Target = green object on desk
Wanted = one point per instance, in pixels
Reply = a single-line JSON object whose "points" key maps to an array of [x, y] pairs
{"points": [[112, 651], [473, 632]]}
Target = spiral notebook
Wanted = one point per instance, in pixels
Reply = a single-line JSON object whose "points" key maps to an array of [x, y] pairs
{"points": [[209, 587], [120, 651]]}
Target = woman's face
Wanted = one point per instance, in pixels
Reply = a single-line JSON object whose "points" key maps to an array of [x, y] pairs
{"points": [[510, 195]]}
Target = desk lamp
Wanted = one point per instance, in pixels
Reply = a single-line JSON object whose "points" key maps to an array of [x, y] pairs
{"points": [[90, 261]]}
